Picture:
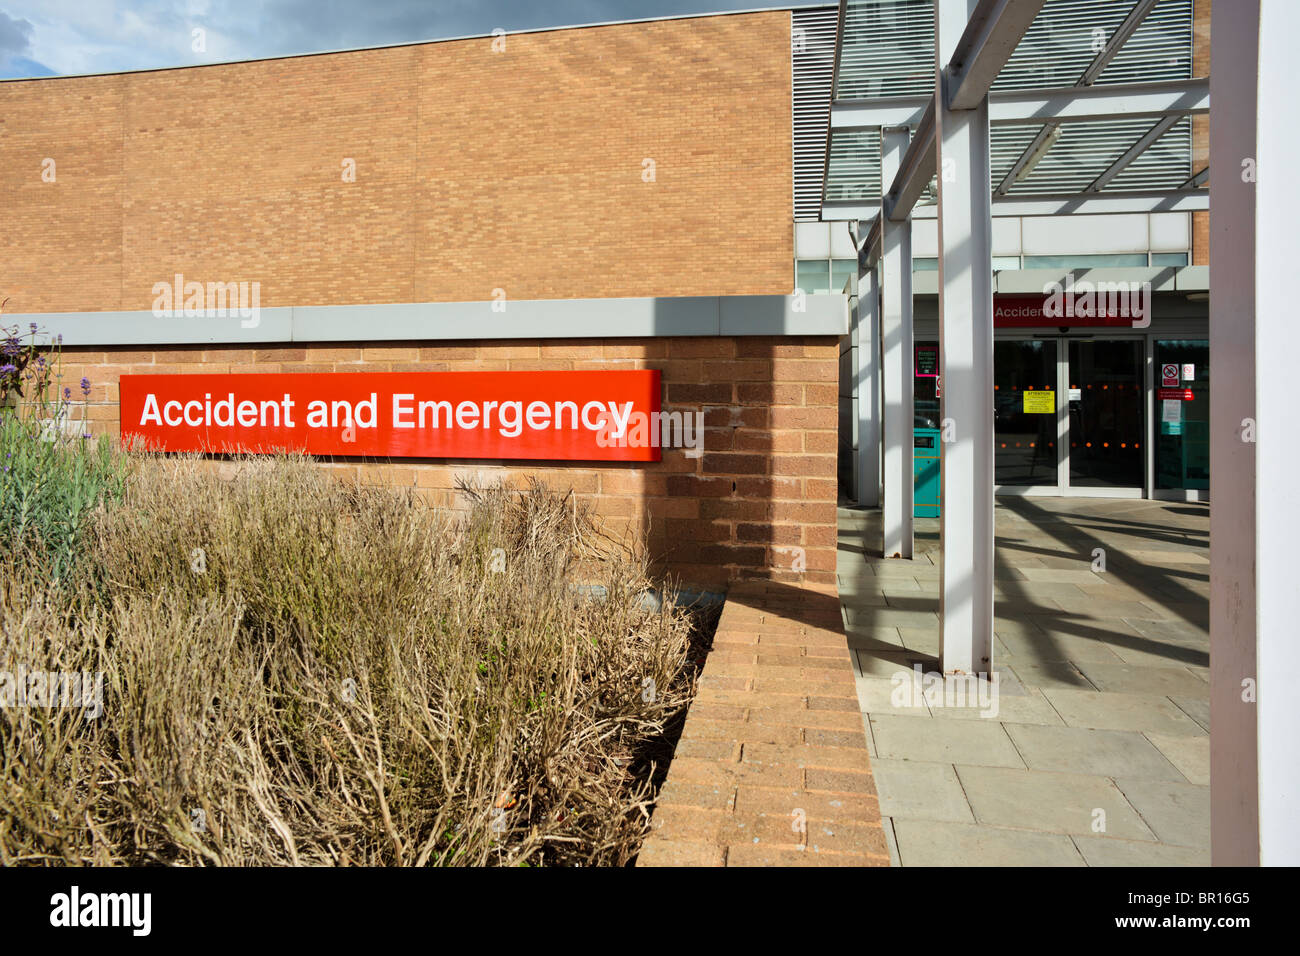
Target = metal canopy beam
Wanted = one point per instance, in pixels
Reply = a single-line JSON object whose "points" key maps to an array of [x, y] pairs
{"points": [[1133, 152], [1084, 104], [914, 172], [1094, 204], [1186, 198], [849, 116], [991, 36], [869, 251], [1198, 179], [1066, 104]]}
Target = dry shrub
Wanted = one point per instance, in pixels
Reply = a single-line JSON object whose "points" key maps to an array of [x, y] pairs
{"points": [[298, 671]]}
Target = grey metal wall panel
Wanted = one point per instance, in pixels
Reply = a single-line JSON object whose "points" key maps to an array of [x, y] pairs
{"points": [[449, 321]]}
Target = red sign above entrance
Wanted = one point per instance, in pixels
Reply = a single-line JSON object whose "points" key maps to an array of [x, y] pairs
{"points": [[574, 416], [1031, 312]]}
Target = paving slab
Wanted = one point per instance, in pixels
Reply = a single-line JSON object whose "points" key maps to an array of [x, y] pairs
{"points": [[1030, 707], [915, 790], [1191, 755], [1050, 674], [1179, 813], [1105, 753], [1105, 851], [859, 616], [879, 663], [1054, 647], [983, 742], [936, 843], [1054, 802], [1136, 679], [1111, 711], [1152, 653], [880, 695], [1197, 708]]}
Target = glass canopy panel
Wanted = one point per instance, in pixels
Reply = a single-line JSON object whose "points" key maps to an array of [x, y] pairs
{"points": [[888, 48]]}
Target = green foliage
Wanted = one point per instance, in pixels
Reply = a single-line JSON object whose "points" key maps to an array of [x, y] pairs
{"points": [[49, 486]]}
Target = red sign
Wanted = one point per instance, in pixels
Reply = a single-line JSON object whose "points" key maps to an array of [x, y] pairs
{"points": [[1169, 375], [572, 416], [1181, 394], [1031, 311]]}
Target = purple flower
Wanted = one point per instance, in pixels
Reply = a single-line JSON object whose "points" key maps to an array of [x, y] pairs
{"points": [[7, 369], [33, 328], [67, 394], [85, 386]]}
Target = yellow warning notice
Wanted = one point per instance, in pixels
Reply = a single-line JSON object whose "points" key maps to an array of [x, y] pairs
{"points": [[1040, 403]]}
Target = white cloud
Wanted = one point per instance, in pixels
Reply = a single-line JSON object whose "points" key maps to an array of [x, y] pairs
{"points": [[95, 36]]}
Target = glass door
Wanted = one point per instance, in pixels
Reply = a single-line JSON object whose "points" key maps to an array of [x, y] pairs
{"points": [[1182, 414], [1106, 413], [1025, 401]]}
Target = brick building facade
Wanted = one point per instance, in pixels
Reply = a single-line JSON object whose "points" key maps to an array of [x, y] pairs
{"points": [[614, 162]]}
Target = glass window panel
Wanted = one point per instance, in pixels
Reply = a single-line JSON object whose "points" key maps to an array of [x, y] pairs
{"points": [[1094, 261], [841, 272], [813, 275]]}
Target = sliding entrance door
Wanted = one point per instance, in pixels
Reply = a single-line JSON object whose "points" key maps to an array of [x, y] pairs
{"points": [[1025, 413], [1107, 399]]}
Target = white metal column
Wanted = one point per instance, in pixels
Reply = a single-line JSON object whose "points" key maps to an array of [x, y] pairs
{"points": [[1255, 519], [1277, 459], [868, 388], [1234, 772], [966, 355], [896, 342]]}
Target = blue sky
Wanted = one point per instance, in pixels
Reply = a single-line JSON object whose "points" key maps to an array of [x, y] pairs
{"points": [[48, 37]]}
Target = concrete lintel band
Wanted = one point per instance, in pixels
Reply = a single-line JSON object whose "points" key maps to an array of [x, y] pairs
{"points": [[647, 317]]}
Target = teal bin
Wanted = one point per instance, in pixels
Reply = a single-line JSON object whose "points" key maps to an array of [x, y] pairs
{"points": [[925, 471]]}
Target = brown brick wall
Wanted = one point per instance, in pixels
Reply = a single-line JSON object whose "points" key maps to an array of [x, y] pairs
{"points": [[760, 500], [475, 170], [772, 766], [1201, 127]]}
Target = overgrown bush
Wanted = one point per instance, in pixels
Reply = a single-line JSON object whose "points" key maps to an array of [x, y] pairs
{"points": [[299, 671]]}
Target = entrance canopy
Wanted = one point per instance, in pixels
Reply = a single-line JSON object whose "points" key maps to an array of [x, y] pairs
{"points": [[995, 126]]}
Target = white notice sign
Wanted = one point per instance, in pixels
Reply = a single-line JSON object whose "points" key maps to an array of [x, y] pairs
{"points": [[1172, 410]]}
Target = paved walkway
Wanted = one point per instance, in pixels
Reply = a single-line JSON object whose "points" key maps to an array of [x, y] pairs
{"points": [[1099, 751]]}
